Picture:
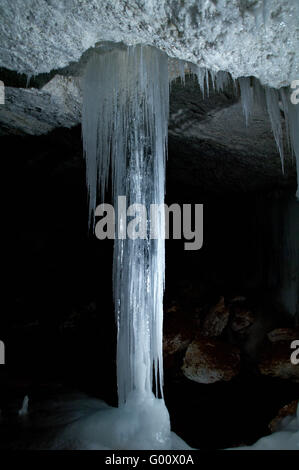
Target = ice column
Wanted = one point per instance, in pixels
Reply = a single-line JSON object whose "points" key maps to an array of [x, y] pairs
{"points": [[125, 123]]}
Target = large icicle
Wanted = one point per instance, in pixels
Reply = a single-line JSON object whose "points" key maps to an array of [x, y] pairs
{"points": [[246, 97], [272, 100], [253, 93], [125, 124], [291, 112]]}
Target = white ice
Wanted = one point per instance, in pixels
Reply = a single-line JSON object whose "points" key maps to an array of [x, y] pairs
{"points": [[140, 424], [24, 410], [125, 123], [285, 438], [125, 126]]}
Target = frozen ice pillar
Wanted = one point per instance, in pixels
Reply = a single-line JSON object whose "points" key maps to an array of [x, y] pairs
{"points": [[24, 409], [125, 123]]}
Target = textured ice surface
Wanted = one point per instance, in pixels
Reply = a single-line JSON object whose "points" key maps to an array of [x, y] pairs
{"points": [[24, 409], [125, 124], [76, 421], [80, 422], [291, 112], [142, 423], [244, 37], [275, 101]]}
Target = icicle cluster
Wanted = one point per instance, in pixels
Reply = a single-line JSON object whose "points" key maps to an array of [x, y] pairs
{"points": [[125, 126], [253, 94], [206, 78], [277, 102]]}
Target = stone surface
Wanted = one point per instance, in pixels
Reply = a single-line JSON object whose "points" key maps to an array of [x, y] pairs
{"points": [[209, 360], [178, 331], [35, 112], [275, 362], [209, 143], [212, 148], [241, 319], [245, 37], [288, 410], [283, 334], [216, 320]]}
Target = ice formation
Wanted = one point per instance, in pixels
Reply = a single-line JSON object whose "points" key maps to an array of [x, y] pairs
{"points": [[276, 102], [285, 438], [125, 118], [125, 125], [242, 36], [24, 410]]}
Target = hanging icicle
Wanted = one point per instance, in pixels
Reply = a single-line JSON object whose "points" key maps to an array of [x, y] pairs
{"points": [[125, 126]]}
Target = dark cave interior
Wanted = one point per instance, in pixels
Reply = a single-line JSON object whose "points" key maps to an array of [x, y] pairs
{"points": [[60, 322]]}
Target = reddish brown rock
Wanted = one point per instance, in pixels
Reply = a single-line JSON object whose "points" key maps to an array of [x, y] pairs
{"points": [[241, 320], [209, 360], [288, 410], [276, 362], [283, 334], [216, 320], [178, 332]]}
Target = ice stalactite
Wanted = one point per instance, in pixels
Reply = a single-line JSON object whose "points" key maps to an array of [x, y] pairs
{"points": [[272, 100], [222, 80], [246, 97], [278, 104], [252, 93], [284, 119], [291, 112], [207, 78], [201, 76], [125, 126]]}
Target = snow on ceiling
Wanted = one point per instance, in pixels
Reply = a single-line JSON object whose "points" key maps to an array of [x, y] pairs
{"points": [[244, 37]]}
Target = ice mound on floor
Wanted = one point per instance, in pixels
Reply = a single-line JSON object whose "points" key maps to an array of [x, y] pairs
{"points": [[84, 423], [286, 438]]}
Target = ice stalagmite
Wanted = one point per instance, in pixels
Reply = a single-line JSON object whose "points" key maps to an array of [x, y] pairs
{"points": [[125, 123]]}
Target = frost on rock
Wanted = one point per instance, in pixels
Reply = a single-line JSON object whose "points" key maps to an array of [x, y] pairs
{"points": [[239, 36]]}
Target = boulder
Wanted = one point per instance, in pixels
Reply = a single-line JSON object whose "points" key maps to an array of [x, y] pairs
{"points": [[178, 331], [241, 320], [288, 410], [275, 361], [209, 360], [283, 334], [216, 320]]}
